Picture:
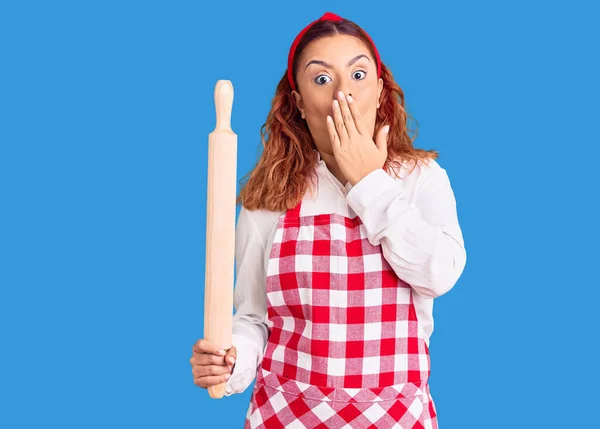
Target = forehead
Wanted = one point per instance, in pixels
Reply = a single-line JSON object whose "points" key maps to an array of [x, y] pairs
{"points": [[341, 46]]}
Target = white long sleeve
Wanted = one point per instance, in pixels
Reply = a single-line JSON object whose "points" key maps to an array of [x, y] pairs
{"points": [[250, 331], [421, 240]]}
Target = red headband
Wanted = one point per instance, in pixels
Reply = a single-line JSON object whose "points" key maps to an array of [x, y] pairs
{"points": [[331, 17]]}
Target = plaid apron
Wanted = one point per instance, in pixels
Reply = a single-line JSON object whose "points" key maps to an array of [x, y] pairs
{"points": [[344, 349]]}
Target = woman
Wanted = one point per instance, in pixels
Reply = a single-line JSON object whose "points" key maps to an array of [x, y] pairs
{"points": [[346, 235]]}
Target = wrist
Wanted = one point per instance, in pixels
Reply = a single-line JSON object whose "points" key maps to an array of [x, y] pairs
{"points": [[354, 179]]}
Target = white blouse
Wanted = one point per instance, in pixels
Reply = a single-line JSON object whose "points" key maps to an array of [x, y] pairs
{"points": [[413, 218]]}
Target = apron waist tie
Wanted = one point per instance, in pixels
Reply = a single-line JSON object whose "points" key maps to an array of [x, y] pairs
{"points": [[341, 394]]}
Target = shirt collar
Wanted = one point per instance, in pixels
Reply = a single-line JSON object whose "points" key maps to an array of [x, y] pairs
{"points": [[322, 168]]}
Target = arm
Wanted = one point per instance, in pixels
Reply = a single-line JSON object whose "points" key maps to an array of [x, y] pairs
{"points": [[423, 241], [250, 332]]}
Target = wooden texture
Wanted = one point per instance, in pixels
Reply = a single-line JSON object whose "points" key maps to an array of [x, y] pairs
{"points": [[220, 226]]}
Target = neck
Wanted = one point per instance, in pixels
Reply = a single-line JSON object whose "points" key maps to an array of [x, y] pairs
{"points": [[333, 167]]}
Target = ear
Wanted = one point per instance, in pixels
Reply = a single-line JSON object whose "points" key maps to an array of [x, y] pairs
{"points": [[299, 103], [379, 89]]}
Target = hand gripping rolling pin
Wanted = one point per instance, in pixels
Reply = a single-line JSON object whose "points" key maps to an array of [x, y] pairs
{"points": [[220, 227]]}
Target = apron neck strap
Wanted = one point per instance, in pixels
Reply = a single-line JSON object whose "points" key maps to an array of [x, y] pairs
{"points": [[294, 212]]}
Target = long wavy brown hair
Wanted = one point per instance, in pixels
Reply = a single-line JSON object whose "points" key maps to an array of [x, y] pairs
{"points": [[286, 167]]}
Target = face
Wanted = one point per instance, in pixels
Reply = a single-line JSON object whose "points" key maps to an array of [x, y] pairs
{"points": [[332, 64]]}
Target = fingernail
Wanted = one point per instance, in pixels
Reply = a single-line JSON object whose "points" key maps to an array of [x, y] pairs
{"points": [[336, 103], [350, 99], [329, 119], [341, 95], [222, 352], [227, 376], [232, 360]]}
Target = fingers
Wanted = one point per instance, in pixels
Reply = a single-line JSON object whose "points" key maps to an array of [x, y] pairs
{"points": [[209, 365], [210, 370], [346, 115], [206, 359], [382, 138], [207, 381], [340, 127], [231, 357], [358, 120], [206, 353], [205, 346], [333, 135]]}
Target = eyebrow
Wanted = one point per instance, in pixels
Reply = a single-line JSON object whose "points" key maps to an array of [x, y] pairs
{"points": [[329, 66]]}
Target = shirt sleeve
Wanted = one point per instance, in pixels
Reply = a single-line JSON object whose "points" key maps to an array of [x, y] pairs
{"points": [[250, 332], [423, 241]]}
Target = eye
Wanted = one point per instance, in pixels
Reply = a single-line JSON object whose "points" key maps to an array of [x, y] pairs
{"points": [[322, 79], [358, 73]]}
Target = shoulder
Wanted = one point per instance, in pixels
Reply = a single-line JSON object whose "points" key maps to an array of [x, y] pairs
{"points": [[423, 168], [260, 223], [414, 176]]}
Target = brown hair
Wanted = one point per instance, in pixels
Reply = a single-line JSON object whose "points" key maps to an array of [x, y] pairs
{"points": [[282, 174]]}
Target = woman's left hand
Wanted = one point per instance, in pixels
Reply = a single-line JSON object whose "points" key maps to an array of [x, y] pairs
{"points": [[355, 151]]}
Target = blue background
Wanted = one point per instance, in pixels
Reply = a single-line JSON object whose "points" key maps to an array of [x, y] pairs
{"points": [[105, 112]]}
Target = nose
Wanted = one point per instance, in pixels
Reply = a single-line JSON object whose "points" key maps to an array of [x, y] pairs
{"points": [[346, 94], [344, 86]]}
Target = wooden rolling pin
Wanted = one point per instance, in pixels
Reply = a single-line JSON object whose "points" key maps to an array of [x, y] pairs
{"points": [[220, 227]]}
